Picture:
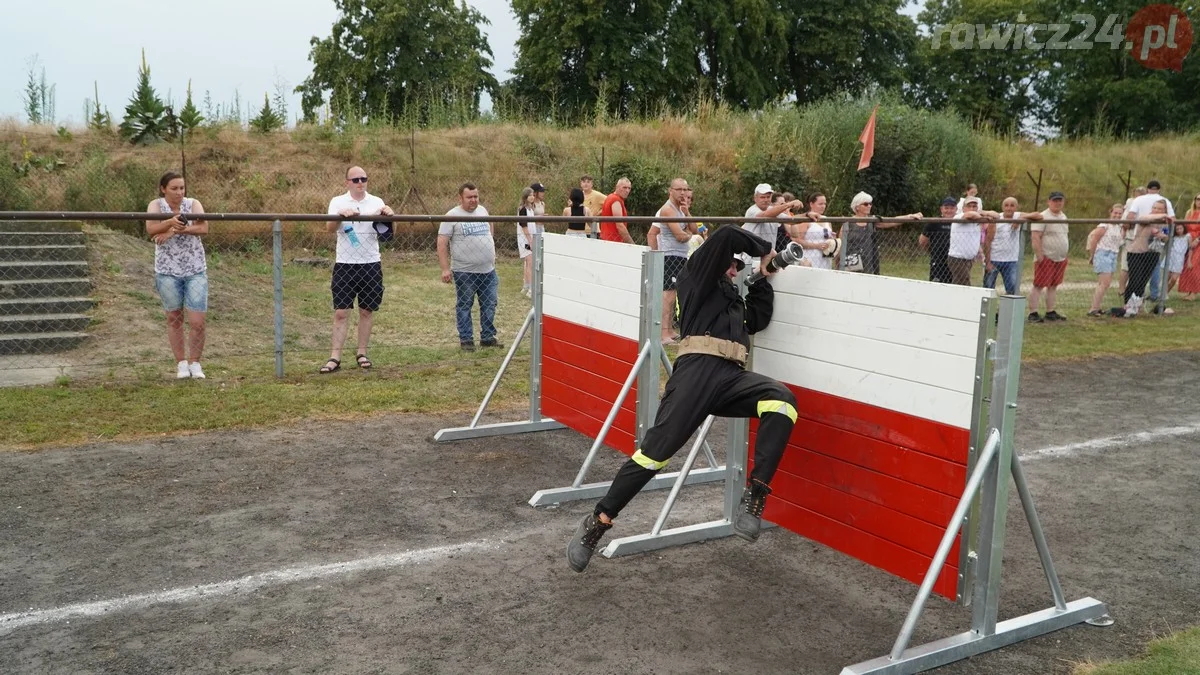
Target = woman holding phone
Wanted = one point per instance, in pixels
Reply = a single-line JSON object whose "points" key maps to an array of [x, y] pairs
{"points": [[180, 271]]}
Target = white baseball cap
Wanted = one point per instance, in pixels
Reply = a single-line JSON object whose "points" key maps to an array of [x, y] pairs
{"points": [[762, 189]]}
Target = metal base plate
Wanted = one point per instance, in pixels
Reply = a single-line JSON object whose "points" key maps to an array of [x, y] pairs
{"points": [[964, 645], [500, 429], [662, 481]]}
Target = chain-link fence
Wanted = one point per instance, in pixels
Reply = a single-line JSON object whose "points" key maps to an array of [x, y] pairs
{"points": [[300, 296]]}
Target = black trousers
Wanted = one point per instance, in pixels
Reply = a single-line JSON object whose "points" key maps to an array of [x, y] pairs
{"points": [[704, 385], [1141, 268]]}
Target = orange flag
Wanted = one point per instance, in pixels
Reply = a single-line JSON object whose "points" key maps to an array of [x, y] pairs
{"points": [[867, 138]]}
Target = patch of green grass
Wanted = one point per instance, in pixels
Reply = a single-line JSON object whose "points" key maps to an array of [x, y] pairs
{"points": [[244, 393], [1178, 654]]}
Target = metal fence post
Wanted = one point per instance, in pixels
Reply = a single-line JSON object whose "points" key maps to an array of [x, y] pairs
{"points": [[277, 265], [535, 335]]}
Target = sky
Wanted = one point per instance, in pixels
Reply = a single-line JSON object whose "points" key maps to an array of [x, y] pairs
{"points": [[222, 46]]}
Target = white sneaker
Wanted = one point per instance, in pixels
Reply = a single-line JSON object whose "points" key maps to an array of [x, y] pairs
{"points": [[181, 371], [196, 371]]}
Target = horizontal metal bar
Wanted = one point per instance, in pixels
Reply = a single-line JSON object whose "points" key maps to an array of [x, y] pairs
{"points": [[421, 218], [499, 429], [964, 645], [675, 536], [596, 490]]}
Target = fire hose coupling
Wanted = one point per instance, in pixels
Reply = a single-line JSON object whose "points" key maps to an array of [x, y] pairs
{"points": [[788, 255]]}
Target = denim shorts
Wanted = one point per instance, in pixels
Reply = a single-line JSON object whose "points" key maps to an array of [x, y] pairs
{"points": [[1104, 262], [180, 292]]}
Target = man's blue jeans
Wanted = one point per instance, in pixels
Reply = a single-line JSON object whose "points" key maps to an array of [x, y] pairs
{"points": [[1010, 273], [468, 285]]}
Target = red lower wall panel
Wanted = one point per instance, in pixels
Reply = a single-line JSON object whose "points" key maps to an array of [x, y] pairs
{"points": [[878, 485], [583, 370]]}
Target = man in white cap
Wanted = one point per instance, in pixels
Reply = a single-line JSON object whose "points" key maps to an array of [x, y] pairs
{"points": [[763, 208]]}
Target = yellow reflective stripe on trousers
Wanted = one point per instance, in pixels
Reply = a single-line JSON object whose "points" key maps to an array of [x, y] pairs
{"points": [[782, 407], [647, 463]]}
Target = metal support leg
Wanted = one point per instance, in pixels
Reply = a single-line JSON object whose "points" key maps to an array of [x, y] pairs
{"points": [[533, 326], [683, 474], [612, 414], [1039, 537]]}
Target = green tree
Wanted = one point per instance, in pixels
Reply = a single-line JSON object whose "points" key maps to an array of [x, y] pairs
{"points": [[267, 119], [573, 56], [97, 119], [189, 116], [975, 59], [1104, 89], [821, 61], [145, 115], [734, 52], [31, 96], [386, 55]]}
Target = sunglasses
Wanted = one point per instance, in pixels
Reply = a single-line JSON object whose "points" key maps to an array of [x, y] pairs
{"points": [[867, 203], [358, 179]]}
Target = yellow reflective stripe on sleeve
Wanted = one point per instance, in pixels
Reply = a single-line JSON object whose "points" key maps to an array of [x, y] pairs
{"points": [[647, 463], [782, 407]]}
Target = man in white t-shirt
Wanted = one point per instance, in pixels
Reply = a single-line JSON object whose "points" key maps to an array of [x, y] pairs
{"points": [[1006, 248], [467, 254], [357, 271], [966, 240], [763, 208], [1141, 206]]}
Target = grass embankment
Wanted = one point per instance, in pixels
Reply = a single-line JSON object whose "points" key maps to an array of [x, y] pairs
{"points": [[719, 151], [1178, 654]]}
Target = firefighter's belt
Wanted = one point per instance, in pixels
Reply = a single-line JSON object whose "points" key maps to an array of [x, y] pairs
{"points": [[705, 344]]}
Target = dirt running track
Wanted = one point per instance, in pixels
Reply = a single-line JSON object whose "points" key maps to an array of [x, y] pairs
{"points": [[108, 522]]}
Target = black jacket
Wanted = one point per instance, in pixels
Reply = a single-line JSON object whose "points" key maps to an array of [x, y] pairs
{"points": [[709, 304]]}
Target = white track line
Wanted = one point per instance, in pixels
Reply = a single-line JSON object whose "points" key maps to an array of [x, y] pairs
{"points": [[1121, 441], [247, 584]]}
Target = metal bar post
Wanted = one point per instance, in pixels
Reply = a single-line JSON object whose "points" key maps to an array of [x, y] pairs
{"points": [[277, 269], [984, 466], [650, 332], [612, 414], [994, 496], [1039, 537], [683, 474], [535, 341], [512, 351], [979, 429]]}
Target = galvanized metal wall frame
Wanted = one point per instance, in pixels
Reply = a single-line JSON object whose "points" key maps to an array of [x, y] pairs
{"points": [[533, 326], [645, 373], [995, 464]]}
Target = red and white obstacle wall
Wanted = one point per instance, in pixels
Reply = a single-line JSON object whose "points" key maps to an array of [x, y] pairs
{"points": [[902, 454]]}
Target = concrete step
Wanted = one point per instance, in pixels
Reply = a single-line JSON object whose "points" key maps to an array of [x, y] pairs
{"points": [[19, 238], [41, 226], [79, 305], [68, 252], [25, 289], [44, 343], [43, 269], [17, 324]]}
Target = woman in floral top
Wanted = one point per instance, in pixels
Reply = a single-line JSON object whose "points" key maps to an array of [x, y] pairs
{"points": [[180, 272]]}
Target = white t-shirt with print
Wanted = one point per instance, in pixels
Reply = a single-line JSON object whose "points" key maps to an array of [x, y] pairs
{"points": [[367, 250]]}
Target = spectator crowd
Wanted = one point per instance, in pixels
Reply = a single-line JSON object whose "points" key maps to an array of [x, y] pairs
{"points": [[1140, 246]]}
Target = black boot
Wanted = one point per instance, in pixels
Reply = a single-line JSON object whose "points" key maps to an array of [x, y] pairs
{"points": [[748, 520], [583, 542]]}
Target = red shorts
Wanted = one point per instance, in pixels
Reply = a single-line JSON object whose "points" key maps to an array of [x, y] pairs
{"points": [[1048, 273]]}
